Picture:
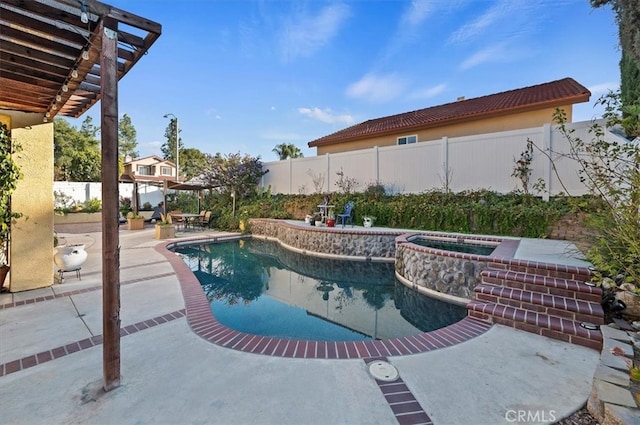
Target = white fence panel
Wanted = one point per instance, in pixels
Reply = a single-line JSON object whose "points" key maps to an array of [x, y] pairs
{"points": [[357, 166], [411, 168], [484, 161], [80, 192]]}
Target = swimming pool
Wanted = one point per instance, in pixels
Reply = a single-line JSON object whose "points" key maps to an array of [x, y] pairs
{"points": [[258, 287]]}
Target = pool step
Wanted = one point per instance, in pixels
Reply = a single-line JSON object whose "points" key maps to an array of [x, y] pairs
{"points": [[557, 306], [539, 323], [553, 305], [564, 287]]}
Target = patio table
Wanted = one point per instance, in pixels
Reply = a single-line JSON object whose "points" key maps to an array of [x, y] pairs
{"points": [[188, 219]]}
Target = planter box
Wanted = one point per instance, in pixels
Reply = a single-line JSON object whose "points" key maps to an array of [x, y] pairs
{"points": [[135, 223], [165, 232], [73, 218]]}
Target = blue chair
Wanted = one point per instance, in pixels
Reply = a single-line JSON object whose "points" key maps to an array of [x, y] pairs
{"points": [[346, 216]]}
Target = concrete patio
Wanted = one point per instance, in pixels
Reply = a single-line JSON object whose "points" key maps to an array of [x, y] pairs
{"points": [[170, 375]]}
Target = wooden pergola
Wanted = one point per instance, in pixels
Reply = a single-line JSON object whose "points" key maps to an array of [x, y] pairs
{"points": [[59, 57]]}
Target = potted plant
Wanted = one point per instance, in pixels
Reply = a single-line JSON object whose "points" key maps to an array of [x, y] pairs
{"points": [[367, 220], [331, 218], [165, 228], [9, 176], [135, 221]]}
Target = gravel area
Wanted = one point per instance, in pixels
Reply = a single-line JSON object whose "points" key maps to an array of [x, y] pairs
{"points": [[581, 417]]}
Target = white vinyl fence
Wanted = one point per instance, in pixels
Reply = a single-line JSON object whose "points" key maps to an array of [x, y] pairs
{"points": [[80, 192], [484, 161]]}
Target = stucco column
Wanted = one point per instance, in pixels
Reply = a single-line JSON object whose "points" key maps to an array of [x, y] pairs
{"points": [[31, 250]]}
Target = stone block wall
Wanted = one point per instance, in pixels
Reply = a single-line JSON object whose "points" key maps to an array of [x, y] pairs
{"points": [[441, 273], [337, 241]]}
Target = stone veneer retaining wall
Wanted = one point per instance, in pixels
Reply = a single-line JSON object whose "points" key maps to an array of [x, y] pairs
{"points": [[446, 272], [334, 241]]}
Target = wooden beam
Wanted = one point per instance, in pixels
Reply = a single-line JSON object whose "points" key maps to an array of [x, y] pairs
{"points": [[110, 198]]}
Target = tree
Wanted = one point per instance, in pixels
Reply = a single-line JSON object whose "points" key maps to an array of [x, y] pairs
{"points": [[233, 173], [287, 150], [628, 19], [76, 152], [192, 162], [169, 147], [611, 170], [127, 138], [9, 176]]}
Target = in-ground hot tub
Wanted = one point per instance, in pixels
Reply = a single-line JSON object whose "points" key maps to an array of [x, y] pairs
{"points": [[441, 264]]}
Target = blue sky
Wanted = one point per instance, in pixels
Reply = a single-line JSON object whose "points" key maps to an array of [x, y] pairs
{"points": [[244, 76]]}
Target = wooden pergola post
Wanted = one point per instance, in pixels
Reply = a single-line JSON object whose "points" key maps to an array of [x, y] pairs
{"points": [[110, 199]]}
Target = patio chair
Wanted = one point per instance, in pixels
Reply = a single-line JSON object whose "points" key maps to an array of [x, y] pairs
{"points": [[346, 215], [206, 219]]}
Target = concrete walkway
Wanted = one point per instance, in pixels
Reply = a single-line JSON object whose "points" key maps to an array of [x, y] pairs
{"points": [[172, 376]]}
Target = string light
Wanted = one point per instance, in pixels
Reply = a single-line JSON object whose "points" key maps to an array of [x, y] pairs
{"points": [[65, 87], [84, 16], [45, 119], [74, 72], [58, 98], [85, 54], [54, 106], [48, 114]]}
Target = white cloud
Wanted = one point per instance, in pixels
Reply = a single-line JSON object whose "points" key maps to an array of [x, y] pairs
{"points": [[305, 35], [416, 13], [602, 88], [429, 92], [510, 12], [213, 113], [495, 53], [326, 115], [377, 88]]}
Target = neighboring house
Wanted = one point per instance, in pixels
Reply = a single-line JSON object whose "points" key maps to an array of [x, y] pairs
{"points": [[511, 110], [149, 169]]}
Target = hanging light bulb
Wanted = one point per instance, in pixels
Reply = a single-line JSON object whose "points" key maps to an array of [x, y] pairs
{"points": [[58, 98], [54, 106], [48, 114], [65, 87], [85, 54], [84, 17], [74, 73], [45, 119]]}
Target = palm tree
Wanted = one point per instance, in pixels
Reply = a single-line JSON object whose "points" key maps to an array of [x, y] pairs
{"points": [[287, 150]]}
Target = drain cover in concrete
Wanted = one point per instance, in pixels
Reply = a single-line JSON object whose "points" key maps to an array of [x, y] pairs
{"points": [[383, 371]]}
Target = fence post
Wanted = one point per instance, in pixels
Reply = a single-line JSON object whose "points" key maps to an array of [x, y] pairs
{"points": [[547, 165], [376, 164], [328, 172], [290, 175], [445, 162]]}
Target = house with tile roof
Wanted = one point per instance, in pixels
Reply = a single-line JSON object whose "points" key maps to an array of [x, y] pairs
{"points": [[510, 110], [149, 169]]}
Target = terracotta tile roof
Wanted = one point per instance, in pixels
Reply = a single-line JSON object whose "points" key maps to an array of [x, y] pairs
{"points": [[554, 93]]}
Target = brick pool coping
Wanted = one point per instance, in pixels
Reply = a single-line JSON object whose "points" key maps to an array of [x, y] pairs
{"points": [[204, 324]]}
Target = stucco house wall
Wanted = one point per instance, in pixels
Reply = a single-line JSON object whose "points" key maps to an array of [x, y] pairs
{"points": [[514, 121], [31, 248]]}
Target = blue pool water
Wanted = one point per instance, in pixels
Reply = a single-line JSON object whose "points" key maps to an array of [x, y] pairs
{"points": [[258, 287], [469, 248]]}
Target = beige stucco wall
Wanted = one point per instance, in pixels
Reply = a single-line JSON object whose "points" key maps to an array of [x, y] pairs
{"points": [[517, 121], [31, 251]]}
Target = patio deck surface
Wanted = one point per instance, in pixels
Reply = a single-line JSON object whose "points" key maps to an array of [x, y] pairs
{"points": [[51, 363]]}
